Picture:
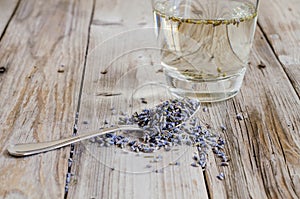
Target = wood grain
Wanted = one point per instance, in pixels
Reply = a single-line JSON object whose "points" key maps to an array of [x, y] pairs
{"points": [[38, 102], [280, 23], [132, 52], [263, 147], [7, 11], [47, 47]]}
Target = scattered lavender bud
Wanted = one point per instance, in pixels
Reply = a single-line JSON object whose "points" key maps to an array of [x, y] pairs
{"points": [[70, 161], [92, 140], [202, 163], [2, 69], [224, 163], [220, 154], [167, 148], [174, 163], [104, 72], [144, 101], [68, 178], [148, 166], [113, 112], [195, 157], [199, 149], [194, 164], [188, 142], [61, 68], [221, 141], [223, 128], [239, 116], [75, 127], [66, 188], [166, 126], [221, 176], [158, 171]]}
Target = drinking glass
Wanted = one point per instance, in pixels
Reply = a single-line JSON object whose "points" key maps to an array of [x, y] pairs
{"points": [[205, 45]]}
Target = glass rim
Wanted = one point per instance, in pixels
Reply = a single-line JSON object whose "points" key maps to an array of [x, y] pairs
{"points": [[210, 20]]}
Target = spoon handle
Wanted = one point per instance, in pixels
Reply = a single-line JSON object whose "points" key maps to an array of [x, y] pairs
{"points": [[20, 150]]}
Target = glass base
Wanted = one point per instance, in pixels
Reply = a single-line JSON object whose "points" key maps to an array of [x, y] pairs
{"points": [[206, 91]]}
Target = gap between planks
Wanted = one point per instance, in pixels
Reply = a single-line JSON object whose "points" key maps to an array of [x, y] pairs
{"points": [[72, 148], [9, 20]]}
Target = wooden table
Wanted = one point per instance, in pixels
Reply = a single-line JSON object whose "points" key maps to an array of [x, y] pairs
{"points": [[51, 63]]}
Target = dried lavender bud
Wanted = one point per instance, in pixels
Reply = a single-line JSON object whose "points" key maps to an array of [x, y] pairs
{"points": [[261, 65], [68, 178], [224, 163], [239, 116], [70, 161], [61, 68], [221, 176], [113, 111], [2, 69], [223, 128], [174, 163], [202, 163], [158, 171], [92, 140], [221, 141], [194, 164], [169, 114], [195, 157], [166, 126], [104, 72], [144, 101]]}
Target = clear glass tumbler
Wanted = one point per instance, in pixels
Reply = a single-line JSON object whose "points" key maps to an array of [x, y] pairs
{"points": [[205, 45]]}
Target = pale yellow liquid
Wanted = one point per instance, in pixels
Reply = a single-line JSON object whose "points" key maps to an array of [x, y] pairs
{"points": [[205, 40]]}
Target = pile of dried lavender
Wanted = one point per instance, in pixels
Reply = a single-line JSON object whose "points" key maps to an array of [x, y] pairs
{"points": [[162, 125], [169, 124]]}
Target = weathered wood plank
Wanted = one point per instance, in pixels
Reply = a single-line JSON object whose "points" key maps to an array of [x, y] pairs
{"points": [[105, 180], [280, 22], [43, 51], [7, 9], [263, 147]]}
